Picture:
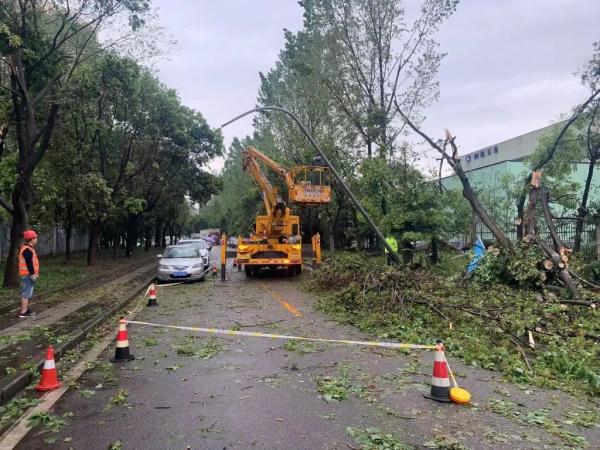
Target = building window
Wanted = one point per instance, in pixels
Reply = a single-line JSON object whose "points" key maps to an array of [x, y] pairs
{"points": [[489, 151], [476, 156], [496, 149], [482, 153], [468, 158]]}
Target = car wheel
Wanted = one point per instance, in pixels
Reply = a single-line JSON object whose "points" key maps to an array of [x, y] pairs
{"points": [[202, 280]]}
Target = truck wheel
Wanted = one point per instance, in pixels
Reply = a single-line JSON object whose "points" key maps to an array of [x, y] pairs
{"points": [[298, 269], [248, 270]]}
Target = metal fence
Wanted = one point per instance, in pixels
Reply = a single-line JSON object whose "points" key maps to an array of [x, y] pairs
{"points": [[564, 227], [50, 242]]}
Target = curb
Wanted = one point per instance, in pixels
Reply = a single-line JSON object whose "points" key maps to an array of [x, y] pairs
{"points": [[10, 386]]}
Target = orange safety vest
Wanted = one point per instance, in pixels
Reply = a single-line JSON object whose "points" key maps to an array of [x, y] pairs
{"points": [[23, 270]]}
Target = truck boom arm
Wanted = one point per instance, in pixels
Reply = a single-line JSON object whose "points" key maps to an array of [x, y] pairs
{"points": [[270, 195]]}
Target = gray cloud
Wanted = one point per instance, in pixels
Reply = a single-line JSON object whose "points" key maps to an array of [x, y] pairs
{"points": [[508, 70]]}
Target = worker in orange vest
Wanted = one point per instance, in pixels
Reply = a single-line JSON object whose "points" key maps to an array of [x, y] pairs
{"points": [[29, 271]]}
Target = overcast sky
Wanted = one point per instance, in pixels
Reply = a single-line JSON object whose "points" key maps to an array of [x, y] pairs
{"points": [[508, 70]]}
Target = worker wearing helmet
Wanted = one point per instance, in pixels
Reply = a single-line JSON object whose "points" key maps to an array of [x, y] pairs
{"points": [[394, 245], [29, 271]]}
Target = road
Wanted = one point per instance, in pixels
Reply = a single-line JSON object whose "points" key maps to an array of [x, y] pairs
{"points": [[191, 390]]}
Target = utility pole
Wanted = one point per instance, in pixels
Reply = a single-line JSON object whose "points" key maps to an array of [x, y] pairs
{"points": [[337, 176]]}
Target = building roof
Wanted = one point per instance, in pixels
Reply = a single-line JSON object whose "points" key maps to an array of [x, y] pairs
{"points": [[514, 149]]}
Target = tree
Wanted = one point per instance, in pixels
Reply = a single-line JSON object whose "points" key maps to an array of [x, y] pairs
{"points": [[374, 57], [41, 45], [589, 137]]}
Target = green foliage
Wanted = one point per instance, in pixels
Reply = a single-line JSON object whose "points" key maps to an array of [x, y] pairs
{"points": [[117, 445], [50, 422], [375, 439], [16, 408], [521, 267], [591, 271], [120, 398], [417, 306], [151, 341], [206, 350], [357, 127], [299, 347], [333, 388], [87, 393]]}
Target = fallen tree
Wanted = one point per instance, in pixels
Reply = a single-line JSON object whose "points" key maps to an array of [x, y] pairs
{"points": [[556, 265], [526, 334]]}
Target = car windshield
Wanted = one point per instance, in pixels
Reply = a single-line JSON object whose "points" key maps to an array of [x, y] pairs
{"points": [[183, 251], [196, 243]]}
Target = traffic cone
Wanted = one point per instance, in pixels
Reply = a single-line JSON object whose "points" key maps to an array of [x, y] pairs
{"points": [[440, 382], [214, 271], [152, 295], [122, 350], [49, 378]]}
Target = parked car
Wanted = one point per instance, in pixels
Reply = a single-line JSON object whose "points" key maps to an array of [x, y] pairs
{"points": [[201, 245], [232, 242], [182, 262]]}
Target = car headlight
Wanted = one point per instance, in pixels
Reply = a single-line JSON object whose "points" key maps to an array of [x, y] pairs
{"points": [[197, 266], [163, 267]]}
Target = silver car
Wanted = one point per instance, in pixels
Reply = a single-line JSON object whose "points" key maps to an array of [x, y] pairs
{"points": [[201, 245], [181, 262]]}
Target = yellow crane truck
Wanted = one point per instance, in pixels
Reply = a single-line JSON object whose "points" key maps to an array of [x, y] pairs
{"points": [[276, 240]]}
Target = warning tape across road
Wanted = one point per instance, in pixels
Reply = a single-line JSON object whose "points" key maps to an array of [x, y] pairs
{"points": [[281, 336]]}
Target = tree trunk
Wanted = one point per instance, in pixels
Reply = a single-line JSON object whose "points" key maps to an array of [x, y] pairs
{"points": [[407, 252], [157, 234], [598, 241], [520, 216], [68, 230], [434, 250], [68, 234], [147, 238], [468, 191], [333, 226], [18, 225], [163, 237], [115, 245], [582, 210], [21, 200], [132, 234], [92, 250]]}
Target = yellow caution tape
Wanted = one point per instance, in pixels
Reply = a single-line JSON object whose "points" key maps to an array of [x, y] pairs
{"points": [[167, 285], [281, 336]]}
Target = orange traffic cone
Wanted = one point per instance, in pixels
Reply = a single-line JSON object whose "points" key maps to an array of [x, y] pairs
{"points": [[440, 382], [152, 295], [122, 350], [49, 378]]}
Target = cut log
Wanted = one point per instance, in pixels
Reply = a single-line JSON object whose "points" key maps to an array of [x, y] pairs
{"points": [[542, 276], [548, 264]]}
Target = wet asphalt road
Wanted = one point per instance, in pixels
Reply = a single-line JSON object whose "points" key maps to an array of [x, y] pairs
{"points": [[255, 393]]}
